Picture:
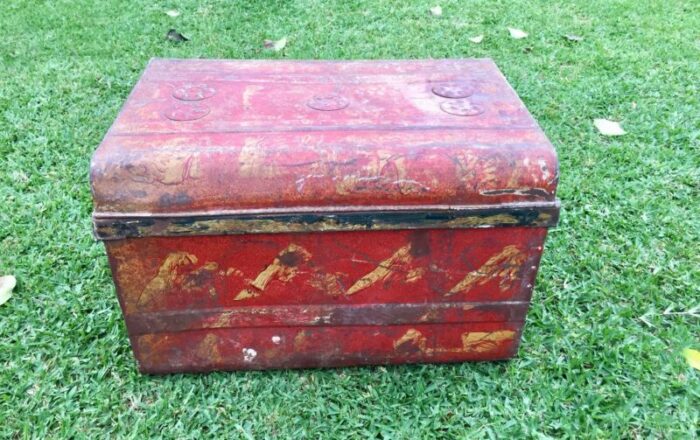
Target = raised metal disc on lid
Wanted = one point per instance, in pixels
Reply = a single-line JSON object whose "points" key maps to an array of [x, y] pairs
{"points": [[328, 103], [453, 90], [194, 92], [189, 112], [461, 107]]}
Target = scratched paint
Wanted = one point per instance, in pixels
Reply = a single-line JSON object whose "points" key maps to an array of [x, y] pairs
{"points": [[504, 266], [383, 270], [480, 342]]}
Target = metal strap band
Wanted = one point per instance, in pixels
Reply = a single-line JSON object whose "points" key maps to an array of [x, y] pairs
{"points": [[110, 226]]}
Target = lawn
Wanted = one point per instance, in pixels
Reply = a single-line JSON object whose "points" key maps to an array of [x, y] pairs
{"points": [[601, 354]]}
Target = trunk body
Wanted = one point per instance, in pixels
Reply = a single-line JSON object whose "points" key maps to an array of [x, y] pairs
{"points": [[317, 214]]}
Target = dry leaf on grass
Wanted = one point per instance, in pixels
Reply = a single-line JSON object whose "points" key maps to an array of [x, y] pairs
{"points": [[572, 37], [608, 128], [692, 357], [478, 39], [172, 13], [174, 35], [517, 33], [436, 11], [275, 45], [7, 283]]}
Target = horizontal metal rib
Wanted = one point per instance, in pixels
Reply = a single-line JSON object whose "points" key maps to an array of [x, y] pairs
{"points": [[325, 315]]}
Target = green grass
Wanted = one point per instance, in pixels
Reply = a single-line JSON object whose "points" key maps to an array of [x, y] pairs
{"points": [[599, 359]]}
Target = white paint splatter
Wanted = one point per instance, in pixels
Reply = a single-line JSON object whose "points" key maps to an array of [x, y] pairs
{"points": [[249, 354], [545, 171], [276, 339]]}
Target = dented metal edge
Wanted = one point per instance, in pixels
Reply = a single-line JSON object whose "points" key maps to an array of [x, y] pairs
{"points": [[115, 226], [315, 315]]}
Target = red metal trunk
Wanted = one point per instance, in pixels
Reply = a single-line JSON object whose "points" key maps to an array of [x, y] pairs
{"points": [[265, 214]]}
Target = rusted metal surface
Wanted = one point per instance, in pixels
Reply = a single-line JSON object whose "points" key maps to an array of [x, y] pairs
{"points": [[111, 226], [305, 214]]}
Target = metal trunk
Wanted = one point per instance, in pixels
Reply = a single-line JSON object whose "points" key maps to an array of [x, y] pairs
{"points": [[263, 214]]}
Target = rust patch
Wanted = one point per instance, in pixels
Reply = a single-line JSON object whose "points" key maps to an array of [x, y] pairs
{"points": [[516, 214], [300, 340], [151, 348], [208, 349], [504, 265], [272, 353], [282, 268], [383, 270], [199, 277]]}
